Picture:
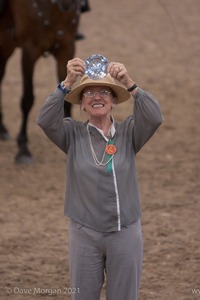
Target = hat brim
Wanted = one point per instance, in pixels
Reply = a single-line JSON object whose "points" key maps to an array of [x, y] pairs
{"points": [[121, 93]]}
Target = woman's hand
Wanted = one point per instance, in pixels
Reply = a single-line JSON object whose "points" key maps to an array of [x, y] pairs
{"points": [[75, 68], [119, 72]]}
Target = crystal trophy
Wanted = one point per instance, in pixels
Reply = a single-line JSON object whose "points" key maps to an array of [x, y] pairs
{"points": [[96, 66]]}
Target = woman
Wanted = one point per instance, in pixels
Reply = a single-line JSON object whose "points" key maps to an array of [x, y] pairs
{"points": [[102, 193]]}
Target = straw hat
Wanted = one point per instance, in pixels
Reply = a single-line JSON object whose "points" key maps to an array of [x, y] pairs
{"points": [[120, 91]]}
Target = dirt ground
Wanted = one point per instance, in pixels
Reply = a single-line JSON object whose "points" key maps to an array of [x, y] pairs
{"points": [[159, 42]]}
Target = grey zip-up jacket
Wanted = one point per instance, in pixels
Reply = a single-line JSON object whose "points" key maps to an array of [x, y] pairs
{"points": [[102, 199]]}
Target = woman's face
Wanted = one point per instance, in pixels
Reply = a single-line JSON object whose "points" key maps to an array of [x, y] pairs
{"points": [[98, 101]]}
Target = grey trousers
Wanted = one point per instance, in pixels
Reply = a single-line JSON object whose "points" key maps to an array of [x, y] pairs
{"points": [[93, 254]]}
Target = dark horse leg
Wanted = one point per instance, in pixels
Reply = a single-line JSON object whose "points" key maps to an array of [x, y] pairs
{"points": [[28, 61], [4, 55], [3, 130], [62, 55]]}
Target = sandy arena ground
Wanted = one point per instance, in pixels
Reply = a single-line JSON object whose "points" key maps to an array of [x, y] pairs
{"points": [[159, 42]]}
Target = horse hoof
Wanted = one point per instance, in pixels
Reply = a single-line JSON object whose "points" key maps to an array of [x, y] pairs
{"points": [[24, 158], [4, 135]]}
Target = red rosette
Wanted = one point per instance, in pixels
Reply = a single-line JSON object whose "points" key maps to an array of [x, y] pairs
{"points": [[111, 149]]}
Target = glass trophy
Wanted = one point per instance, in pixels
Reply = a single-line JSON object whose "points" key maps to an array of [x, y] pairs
{"points": [[96, 66]]}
